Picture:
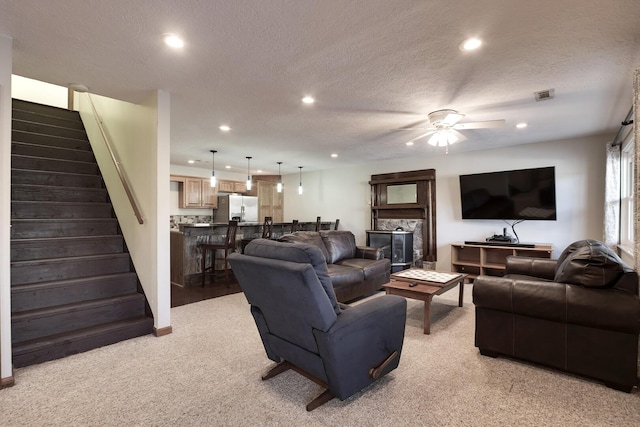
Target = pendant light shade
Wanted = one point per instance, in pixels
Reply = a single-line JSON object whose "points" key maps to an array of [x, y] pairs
{"points": [[300, 185], [248, 173], [213, 169], [279, 186]]}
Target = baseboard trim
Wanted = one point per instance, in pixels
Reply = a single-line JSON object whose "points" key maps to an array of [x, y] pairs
{"points": [[162, 331], [7, 382]]}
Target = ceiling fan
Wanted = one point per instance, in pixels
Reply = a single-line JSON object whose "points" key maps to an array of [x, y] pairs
{"points": [[443, 127]]}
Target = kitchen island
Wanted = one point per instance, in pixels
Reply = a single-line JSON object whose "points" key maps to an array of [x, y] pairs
{"points": [[186, 256]]}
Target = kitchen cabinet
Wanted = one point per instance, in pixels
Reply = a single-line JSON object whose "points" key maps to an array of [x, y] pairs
{"points": [[270, 202], [240, 187], [196, 192]]}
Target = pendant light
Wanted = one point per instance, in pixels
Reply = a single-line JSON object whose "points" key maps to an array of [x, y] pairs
{"points": [[248, 173], [300, 185], [279, 186], [213, 169]]}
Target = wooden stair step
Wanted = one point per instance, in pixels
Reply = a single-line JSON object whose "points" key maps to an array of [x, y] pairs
{"points": [[23, 272], [62, 345], [35, 324], [54, 165], [47, 294], [39, 228], [19, 104], [27, 192], [49, 152], [59, 210], [28, 116], [48, 129], [59, 247], [61, 179], [54, 141]]}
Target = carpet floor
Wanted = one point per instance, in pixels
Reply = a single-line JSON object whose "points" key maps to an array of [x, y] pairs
{"points": [[207, 373]]}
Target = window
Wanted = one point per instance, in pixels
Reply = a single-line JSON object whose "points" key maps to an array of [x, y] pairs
{"points": [[626, 195]]}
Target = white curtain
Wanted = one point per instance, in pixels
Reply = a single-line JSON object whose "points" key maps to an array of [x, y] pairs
{"points": [[612, 197], [636, 189]]}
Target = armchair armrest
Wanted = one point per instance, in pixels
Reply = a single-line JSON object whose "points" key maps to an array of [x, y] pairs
{"points": [[363, 337], [368, 252], [543, 268]]}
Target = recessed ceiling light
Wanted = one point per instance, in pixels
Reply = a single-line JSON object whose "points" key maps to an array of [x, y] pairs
{"points": [[521, 125], [308, 100], [173, 40], [470, 44], [191, 161], [334, 155], [224, 128], [227, 167], [410, 143]]}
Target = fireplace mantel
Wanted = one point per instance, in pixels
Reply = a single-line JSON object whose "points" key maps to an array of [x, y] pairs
{"points": [[420, 206]]}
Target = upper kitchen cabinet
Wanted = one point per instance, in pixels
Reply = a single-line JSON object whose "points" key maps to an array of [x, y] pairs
{"points": [[240, 187], [196, 192]]}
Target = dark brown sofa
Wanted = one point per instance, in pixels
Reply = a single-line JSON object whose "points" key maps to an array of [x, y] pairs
{"points": [[580, 313], [354, 271]]}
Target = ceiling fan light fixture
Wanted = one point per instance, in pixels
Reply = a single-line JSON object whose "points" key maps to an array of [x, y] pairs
{"points": [[442, 138]]}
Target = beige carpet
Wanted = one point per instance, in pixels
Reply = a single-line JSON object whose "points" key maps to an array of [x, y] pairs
{"points": [[207, 373]]}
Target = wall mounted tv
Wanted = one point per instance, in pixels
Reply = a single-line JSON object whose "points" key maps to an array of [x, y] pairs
{"points": [[525, 194]]}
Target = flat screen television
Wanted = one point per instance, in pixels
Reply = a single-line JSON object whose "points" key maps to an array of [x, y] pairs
{"points": [[524, 194]]}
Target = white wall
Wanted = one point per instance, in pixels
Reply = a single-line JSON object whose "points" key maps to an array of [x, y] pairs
{"points": [[579, 166], [140, 137], [39, 92], [6, 61]]}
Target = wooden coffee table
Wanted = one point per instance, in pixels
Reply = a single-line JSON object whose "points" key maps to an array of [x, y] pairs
{"points": [[421, 284]]}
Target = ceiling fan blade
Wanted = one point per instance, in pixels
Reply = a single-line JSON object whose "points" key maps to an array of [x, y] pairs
{"points": [[420, 136], [452, 118], [480, 125], [460, 136]]}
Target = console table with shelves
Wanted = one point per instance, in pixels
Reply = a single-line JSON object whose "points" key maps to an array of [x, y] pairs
{"points": [[491, 260]]}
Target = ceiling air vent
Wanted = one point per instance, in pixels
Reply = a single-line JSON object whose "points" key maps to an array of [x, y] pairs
{"points": [[543, 95]]}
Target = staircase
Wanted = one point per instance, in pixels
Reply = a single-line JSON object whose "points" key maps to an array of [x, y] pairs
{"points": [[73, 286]]}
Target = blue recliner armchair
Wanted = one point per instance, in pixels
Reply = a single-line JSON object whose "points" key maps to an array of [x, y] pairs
{"points": [[304, 328]]}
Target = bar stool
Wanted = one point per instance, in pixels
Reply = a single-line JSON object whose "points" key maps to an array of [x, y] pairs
{"points": [[318, 224], [228, 246], [295, 226], [267, 227]]}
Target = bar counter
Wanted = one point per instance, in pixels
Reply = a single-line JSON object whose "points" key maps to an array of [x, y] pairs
{"points": [[186, 256]]}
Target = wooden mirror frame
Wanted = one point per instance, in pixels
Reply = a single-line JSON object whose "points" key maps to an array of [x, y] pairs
{"points": [[424, 209]]}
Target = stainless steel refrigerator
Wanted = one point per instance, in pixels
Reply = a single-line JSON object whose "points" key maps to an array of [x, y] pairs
{"points": [[233, 206]]}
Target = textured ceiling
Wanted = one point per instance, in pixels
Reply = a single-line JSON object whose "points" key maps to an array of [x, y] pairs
{"points": [[373, 66]]}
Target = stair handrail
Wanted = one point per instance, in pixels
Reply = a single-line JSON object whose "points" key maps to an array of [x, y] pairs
{"points": [[116, 163]]}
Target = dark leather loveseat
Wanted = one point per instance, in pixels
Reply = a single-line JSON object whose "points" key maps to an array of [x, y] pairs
{"points": [[580, 313], [354, 271]]}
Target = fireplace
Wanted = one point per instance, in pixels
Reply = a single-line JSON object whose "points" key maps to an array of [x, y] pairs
{"points": [[397, 246]]}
